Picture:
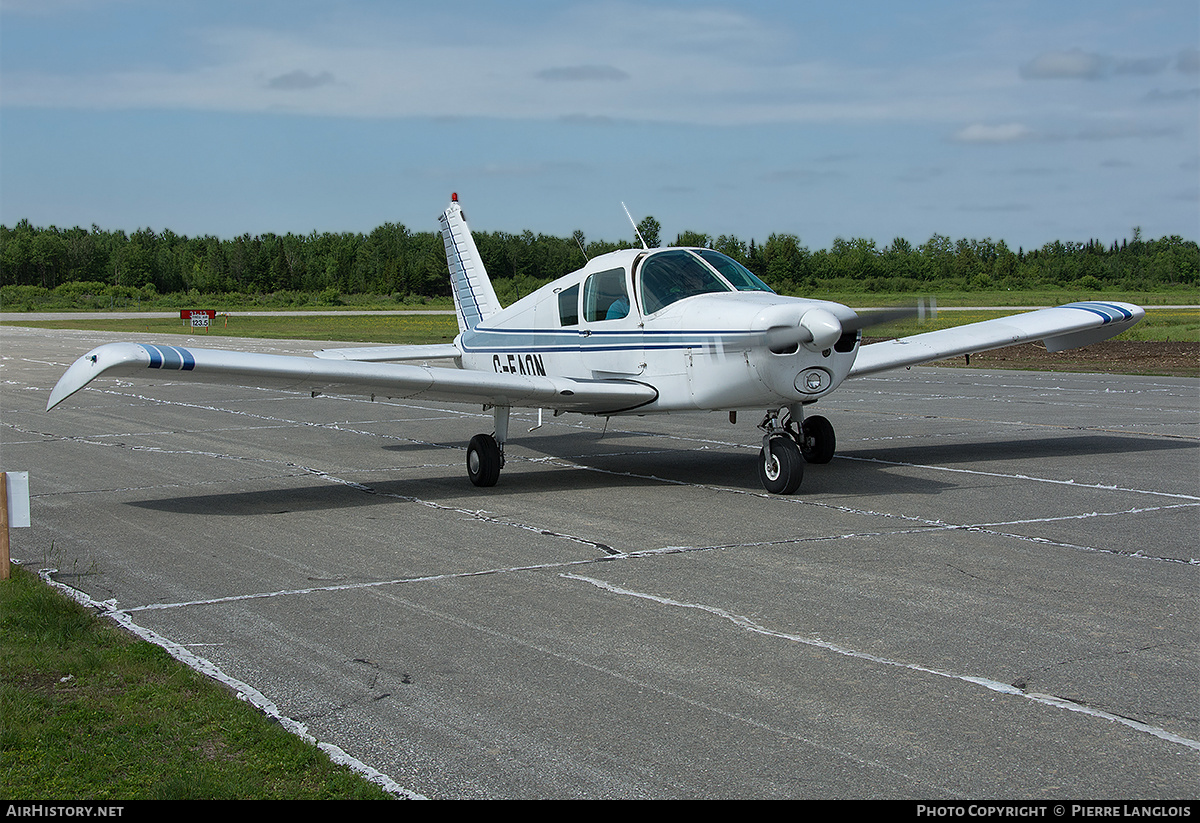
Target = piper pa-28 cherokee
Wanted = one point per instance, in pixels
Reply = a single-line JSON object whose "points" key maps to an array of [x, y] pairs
{"points": [[634, 332]]}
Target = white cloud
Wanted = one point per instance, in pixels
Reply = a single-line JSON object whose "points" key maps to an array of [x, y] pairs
{"points": [[299, 80], [1188, 61], [1080, 65], [605, 62], [1057, 65], [984, 133], [608, 61], [582, 74]]}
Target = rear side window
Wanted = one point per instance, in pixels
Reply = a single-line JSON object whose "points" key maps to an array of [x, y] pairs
{"points": [[568, 306]]}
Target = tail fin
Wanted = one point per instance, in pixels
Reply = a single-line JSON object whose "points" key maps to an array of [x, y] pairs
{"points": [[474, 298]]}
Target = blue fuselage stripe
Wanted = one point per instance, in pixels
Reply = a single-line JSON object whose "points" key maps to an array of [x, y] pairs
{"points": [[496, 340]]}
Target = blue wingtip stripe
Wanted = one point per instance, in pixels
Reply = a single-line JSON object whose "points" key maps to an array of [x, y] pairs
{"points": [[169, 357], [1108, 311]]}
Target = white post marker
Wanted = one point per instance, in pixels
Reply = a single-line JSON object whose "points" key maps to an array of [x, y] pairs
{"points": [[14, 511]]}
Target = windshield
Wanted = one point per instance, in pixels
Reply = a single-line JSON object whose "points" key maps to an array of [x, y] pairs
{"points": [[741, 277], [669, 276]]}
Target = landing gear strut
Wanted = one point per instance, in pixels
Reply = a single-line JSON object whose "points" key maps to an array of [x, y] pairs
{"points": [[485, 453]]}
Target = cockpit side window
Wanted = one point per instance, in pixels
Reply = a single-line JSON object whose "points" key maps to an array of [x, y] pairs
{"points": [[741, 277], [568, 306], [673, 275], [605, 297]]}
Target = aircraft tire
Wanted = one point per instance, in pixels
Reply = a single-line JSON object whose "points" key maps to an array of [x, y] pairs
{"points": [[782, 470], [483, 460], [817, 440]]}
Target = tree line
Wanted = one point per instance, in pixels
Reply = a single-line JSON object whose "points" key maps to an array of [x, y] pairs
{"points": [[395, 262]]}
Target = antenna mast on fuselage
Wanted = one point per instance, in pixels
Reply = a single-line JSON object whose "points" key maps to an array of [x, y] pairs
{"points": [[635, 226]]}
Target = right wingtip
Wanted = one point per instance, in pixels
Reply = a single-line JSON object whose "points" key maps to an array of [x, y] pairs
{"points": [[74, 378], [92, 365]]}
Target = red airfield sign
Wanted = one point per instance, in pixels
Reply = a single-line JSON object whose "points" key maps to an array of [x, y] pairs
{"points": [[200, 317]]}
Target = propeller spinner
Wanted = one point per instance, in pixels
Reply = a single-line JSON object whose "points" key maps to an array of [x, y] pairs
{"points": [[819, 328]]}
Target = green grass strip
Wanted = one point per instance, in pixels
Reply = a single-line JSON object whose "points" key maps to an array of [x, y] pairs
{"points": [[89, 712]]}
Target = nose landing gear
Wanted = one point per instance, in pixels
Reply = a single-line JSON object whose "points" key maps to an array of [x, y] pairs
{"points": [[780, 464], [787, 447]]}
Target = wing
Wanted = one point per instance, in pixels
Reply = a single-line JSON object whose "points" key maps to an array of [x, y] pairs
{"points": [[1061, 328], [320, 376]]}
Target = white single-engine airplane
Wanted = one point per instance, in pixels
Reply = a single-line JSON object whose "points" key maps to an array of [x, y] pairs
{"points": [[634, 332]]}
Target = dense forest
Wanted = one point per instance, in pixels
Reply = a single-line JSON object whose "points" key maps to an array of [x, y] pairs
{"points": [[40, 264]]}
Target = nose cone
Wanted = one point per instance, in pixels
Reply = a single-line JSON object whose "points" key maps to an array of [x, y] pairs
{"points": [[823, 326]]}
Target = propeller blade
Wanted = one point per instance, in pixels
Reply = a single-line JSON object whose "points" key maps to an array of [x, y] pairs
{"points": [[785, 339], [922, 309], [818, 328]]}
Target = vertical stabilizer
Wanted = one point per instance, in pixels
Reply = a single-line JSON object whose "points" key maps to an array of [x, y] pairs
{"points": [[474, 298]]}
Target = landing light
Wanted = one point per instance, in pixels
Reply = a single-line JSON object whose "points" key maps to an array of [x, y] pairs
{"points": [[812, 381]]}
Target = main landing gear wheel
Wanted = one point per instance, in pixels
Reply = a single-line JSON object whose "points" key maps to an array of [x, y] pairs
{"points": [[817, 440], [484, 460], [780, 465]]}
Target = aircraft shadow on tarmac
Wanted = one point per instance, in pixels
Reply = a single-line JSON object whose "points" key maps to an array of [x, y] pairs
{"points": [[259, 502], [450, 488], [1017, 448], [581, 464]]}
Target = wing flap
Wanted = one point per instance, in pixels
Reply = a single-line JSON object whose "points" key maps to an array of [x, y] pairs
{"points": [[384, 380], [1063, 327], [386, 354]]}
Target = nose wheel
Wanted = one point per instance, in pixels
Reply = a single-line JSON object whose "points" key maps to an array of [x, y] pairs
{"points": [[786, 448], [780, 465]]}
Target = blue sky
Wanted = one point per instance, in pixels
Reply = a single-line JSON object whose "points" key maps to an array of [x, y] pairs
{"points": [[1022, 121]]}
